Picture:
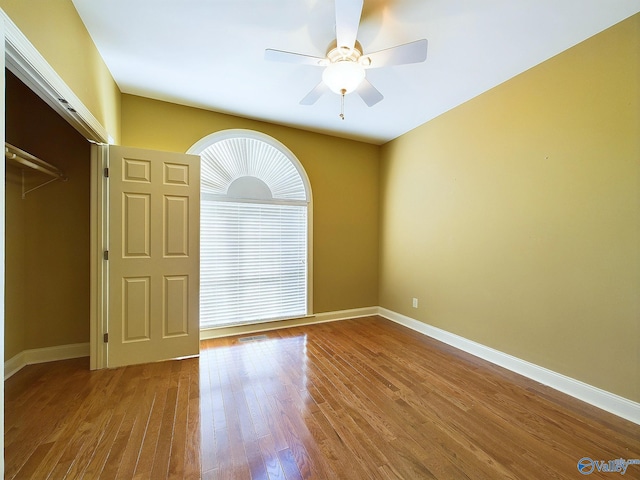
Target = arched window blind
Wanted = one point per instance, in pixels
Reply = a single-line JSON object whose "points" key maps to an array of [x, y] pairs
{"points": [[254, 231]]}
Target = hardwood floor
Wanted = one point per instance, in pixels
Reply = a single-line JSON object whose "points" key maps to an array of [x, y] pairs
{"points": [[356, 399]]}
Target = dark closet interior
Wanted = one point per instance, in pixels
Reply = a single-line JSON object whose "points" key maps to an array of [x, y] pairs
{"points": [[47, 231]]}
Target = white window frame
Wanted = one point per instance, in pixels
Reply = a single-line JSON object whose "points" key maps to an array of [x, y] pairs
{"points": [[202, 144]]}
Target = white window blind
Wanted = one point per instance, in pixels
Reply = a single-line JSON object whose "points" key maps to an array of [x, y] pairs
{"points": [[253, 263], [253, 228]]}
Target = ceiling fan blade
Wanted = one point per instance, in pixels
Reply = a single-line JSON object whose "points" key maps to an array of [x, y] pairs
{"points": [[413, 52], [313, 96], [290, 57], [348, 14], [369, 93]]}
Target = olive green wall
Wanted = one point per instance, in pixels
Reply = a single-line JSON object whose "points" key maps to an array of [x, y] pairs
{"points": [[515, 218], [47, 233], [344, 180], [57, 32], [15, 278]]}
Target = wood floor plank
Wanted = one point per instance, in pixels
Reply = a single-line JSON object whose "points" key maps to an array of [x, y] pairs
{"points": [[147, 453], [289, 465], [165, 435], [193, 460], [177, 447], [134, 412], [270, 458], [29, 467], [143, 409], [207, 435], [355, 399], [103, 448]]}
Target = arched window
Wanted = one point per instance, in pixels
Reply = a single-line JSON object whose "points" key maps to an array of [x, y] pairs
{"points": [[255, 220]]}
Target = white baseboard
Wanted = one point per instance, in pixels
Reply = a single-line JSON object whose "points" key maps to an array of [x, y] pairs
{"points": [[278, 324], [42, 355], [610, 402], [346, 314]]}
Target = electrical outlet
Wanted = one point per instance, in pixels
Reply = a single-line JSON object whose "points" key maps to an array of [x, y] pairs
{"points": [[415, 303]]}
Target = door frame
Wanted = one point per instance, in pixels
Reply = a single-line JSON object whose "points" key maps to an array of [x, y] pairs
{"points": [[26, 63]]}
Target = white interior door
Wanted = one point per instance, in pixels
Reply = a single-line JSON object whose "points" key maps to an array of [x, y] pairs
{"points": [[154, 258]]}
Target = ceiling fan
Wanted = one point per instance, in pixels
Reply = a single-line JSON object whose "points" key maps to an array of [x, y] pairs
{"points": [[345, 64]]}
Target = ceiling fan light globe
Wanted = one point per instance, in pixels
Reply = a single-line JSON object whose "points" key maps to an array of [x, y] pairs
{"points": [[343, 77]]}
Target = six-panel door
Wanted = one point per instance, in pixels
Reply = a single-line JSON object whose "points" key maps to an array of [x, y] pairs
{"points": [[154, 261]]}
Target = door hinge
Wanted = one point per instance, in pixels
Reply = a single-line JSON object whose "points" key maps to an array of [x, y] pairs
{"points": [[105, 337], [105, 255], [106, 172]]}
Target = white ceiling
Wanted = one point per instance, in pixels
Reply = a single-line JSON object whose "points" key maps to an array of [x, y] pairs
{"points": [[209, 53]]}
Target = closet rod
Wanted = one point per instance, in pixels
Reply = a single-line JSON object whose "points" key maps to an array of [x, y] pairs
{"points": [[28, 160]]}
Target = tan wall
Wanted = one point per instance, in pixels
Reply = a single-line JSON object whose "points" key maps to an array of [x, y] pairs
{"points": [[515, 218], [15, 281], [344, 181], [47, 235], [55, 29]]}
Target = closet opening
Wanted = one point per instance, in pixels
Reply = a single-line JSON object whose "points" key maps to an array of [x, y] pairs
{"points": [[47, 249]]}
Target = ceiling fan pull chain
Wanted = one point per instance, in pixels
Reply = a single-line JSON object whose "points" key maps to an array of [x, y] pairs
{"points": [[343, 91]]}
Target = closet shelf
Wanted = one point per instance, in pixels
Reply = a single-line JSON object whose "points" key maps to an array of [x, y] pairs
{"points": [[25, 159]]}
